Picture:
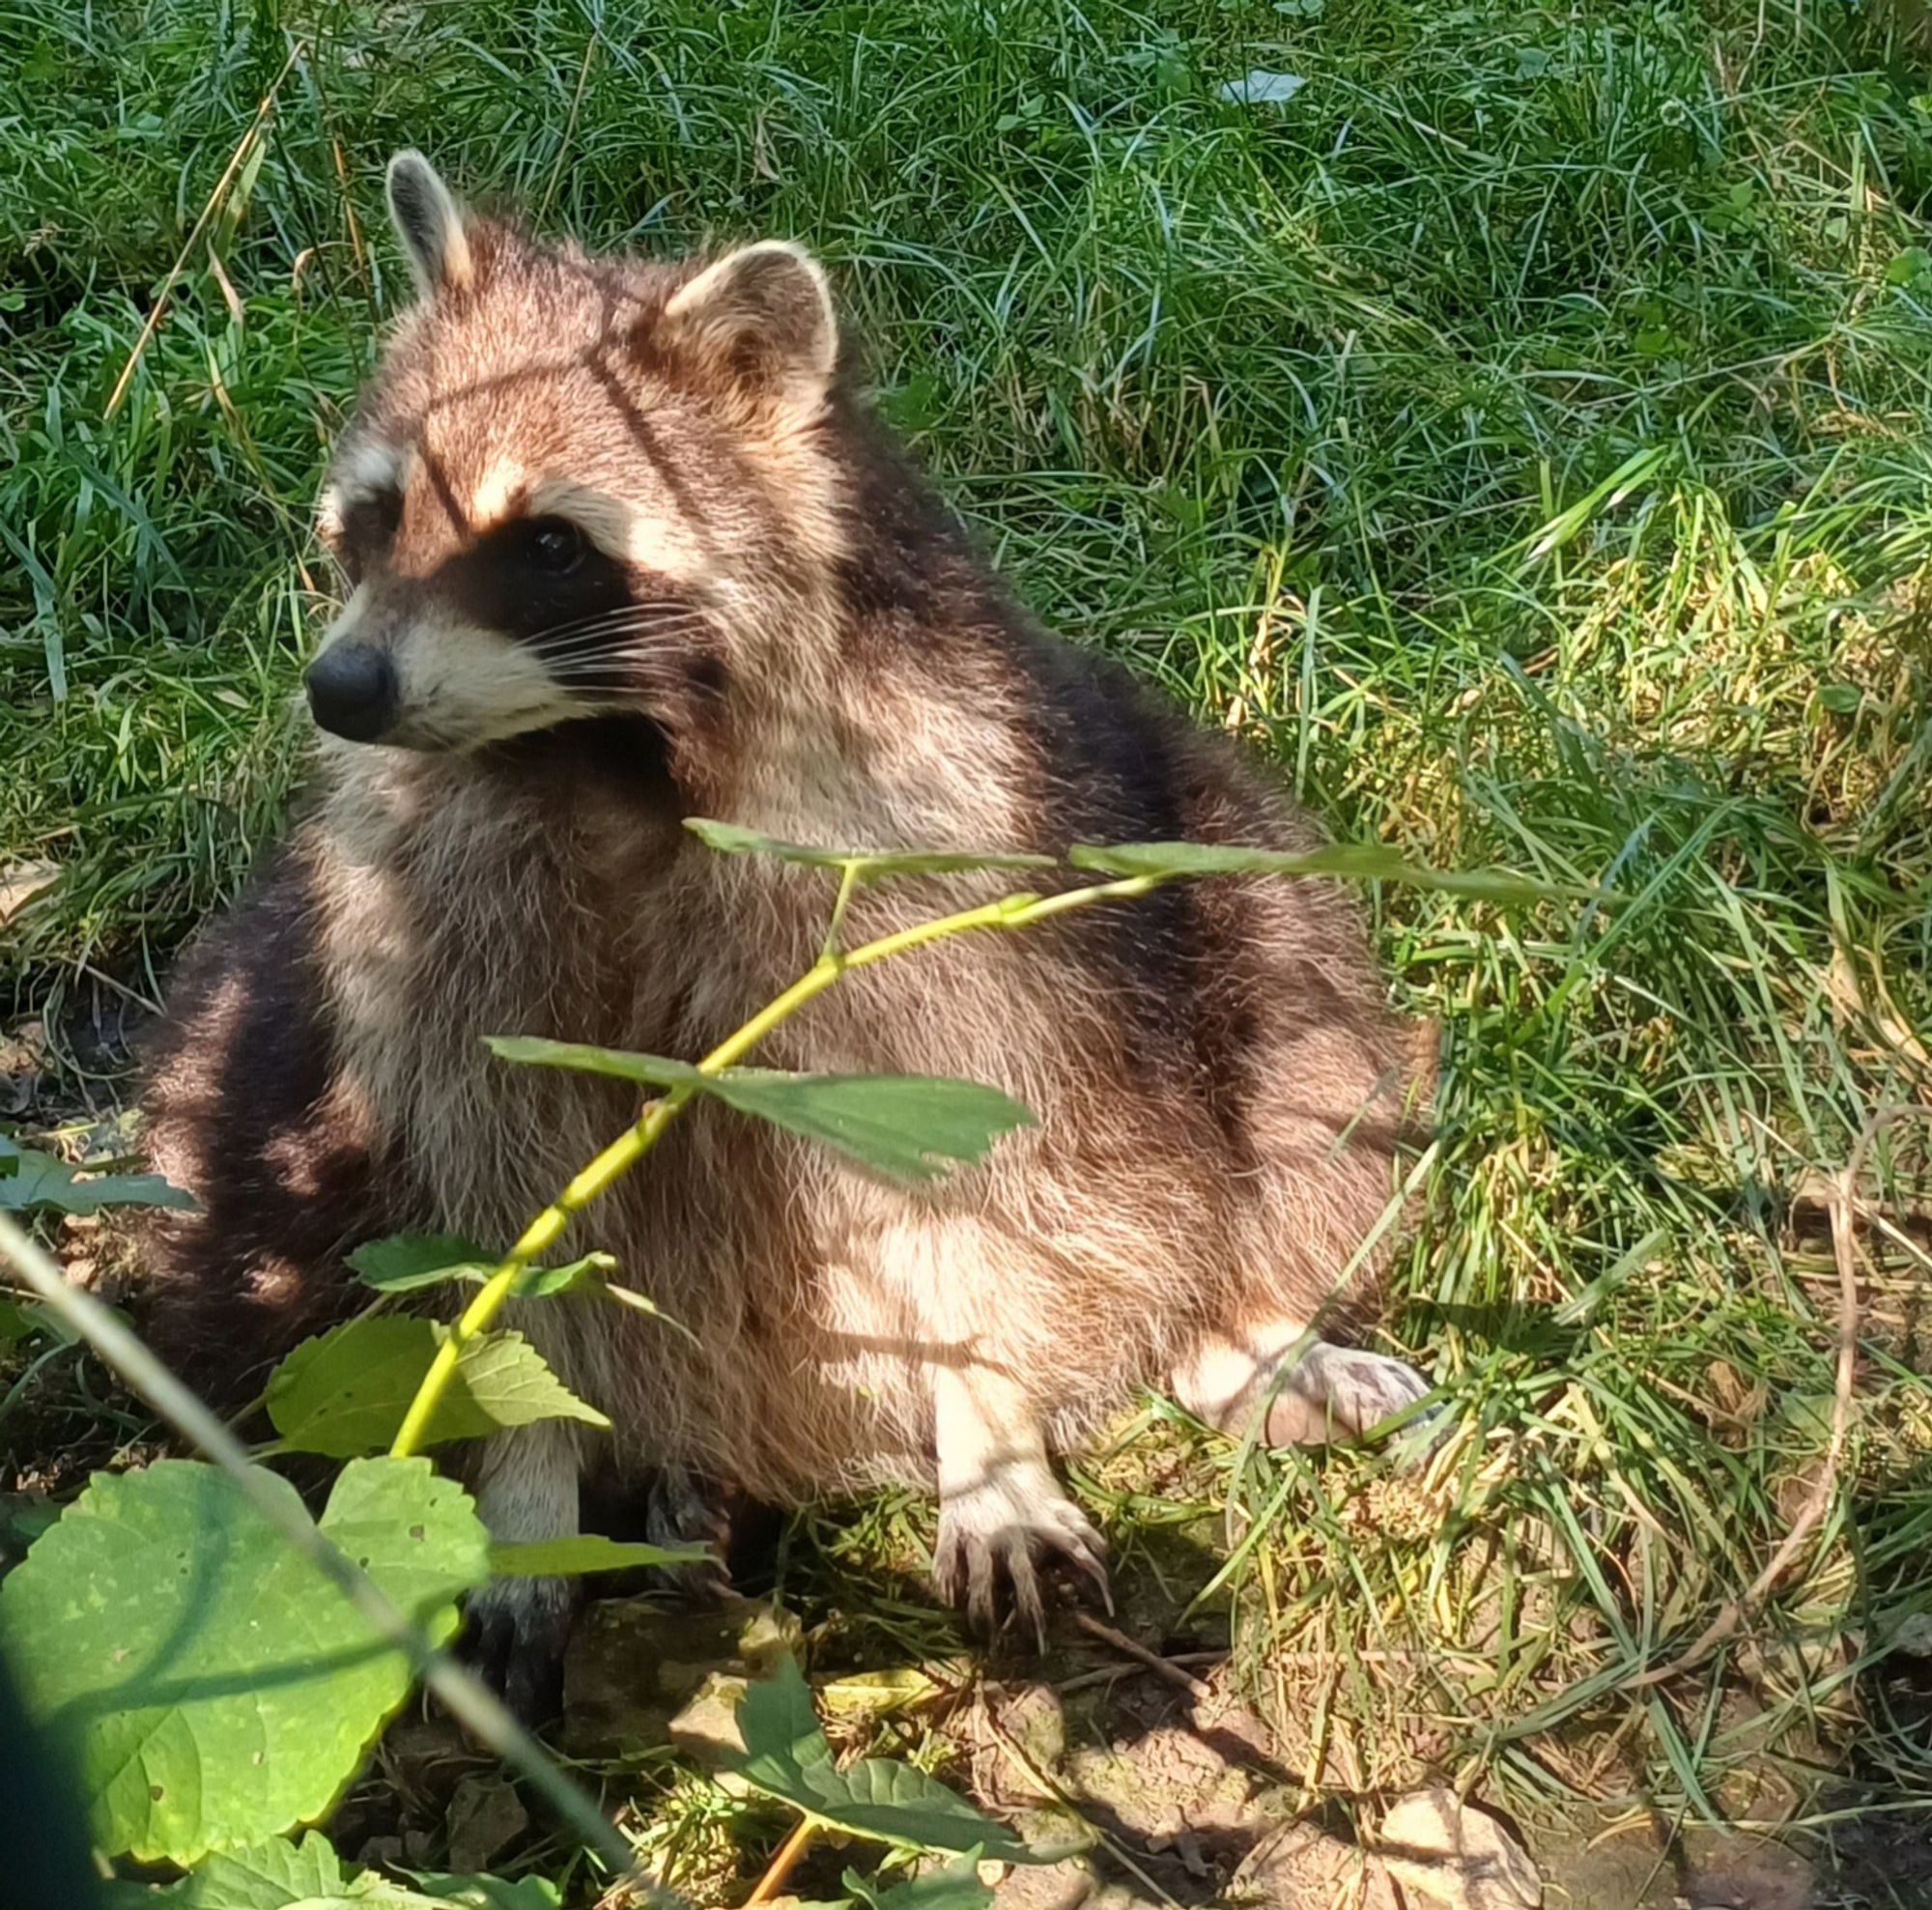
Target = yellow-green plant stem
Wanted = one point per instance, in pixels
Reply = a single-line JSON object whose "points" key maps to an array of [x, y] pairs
{"points": [[630, 1147]]}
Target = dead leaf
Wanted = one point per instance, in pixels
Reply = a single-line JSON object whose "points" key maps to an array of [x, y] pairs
{"points": [[20, 883]]}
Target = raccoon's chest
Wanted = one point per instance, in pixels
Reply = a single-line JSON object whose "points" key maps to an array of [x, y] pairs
{"points": [[450, 922]]}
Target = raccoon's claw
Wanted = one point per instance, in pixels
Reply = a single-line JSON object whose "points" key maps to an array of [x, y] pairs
{"points": [[997, 1535], [514, 1635]]}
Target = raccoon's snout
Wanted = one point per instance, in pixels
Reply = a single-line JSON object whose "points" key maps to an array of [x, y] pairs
{"points": [[352, 692]]}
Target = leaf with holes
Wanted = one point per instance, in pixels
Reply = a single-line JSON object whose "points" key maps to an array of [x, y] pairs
{"points": [[590, 1552], [729, 839], [216, 1688], [1362, 862], [346, 1391], [907, 1127], [786, 1757], [32, 1179]]}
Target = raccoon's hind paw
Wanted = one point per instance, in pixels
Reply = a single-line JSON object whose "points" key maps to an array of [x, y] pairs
{"points": [[1342, 1389], [682, 1509], [514, 1634], [995, 1536]]}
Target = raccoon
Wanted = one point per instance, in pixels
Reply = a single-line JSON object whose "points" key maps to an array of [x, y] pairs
{"points": [[622, 544]]}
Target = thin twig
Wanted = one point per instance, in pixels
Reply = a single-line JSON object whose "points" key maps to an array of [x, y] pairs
{"points": [[1108, 1673], [465, 1695], [168, 284], [1844, 1203], [1162, 1667]]}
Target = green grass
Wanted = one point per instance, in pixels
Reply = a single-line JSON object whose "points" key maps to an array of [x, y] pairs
{"points": [[1523, 435]]}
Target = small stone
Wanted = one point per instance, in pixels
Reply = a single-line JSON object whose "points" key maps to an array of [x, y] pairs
{"points": [[1300, 1867], [632, 1666], [486, 1816], [706, 1730], [1438, 1847], [1064, 1886]]}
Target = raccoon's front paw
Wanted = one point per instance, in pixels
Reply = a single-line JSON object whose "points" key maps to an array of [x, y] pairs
{"points": [[995, 1535], [514, 1634]]}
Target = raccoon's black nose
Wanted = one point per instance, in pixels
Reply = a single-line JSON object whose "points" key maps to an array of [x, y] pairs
{"points": [[352, 691]]}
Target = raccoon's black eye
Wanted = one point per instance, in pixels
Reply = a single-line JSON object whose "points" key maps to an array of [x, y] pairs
{"points": [[557, 545]]}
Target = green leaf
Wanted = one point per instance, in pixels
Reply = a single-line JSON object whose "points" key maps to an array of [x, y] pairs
{"points": [[585, 1275], [786, 1757], [957, 1886], [405, 1263], [1841, 699], [273, 1875], [910, 1126], [30, 1179], [18, 1322], [215, 1687], [279, 1875], [589, 1551], [1367, 862], [490, 1893], [346, 1392], [728, 839]]}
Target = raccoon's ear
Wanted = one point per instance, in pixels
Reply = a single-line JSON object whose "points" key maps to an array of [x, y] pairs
{"points": [[760, 320], [429, 223]]}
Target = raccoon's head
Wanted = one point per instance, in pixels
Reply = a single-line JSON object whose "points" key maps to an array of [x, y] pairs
{"points": [[575, 486]]}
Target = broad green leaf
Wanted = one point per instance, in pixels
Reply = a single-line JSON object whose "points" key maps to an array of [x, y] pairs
{"points": [[30, 1178], [405, 1263], [589, 1551], [910, 1126], [787, 1756], [346, 1392], [730, 840], [1368, 862], [215, 1687], [957, 1886]]}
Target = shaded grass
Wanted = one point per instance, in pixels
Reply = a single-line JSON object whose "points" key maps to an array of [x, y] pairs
{"points": [[1521, 435]]}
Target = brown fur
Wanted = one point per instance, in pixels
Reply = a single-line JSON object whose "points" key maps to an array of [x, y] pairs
{"points": [[816, 653]]}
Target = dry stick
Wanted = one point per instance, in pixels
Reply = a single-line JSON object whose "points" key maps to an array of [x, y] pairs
{"points": [[468, 1699], [1843, 1202], [1108, 1673], [1162, 1667], [221, 184], [783, 1862]]}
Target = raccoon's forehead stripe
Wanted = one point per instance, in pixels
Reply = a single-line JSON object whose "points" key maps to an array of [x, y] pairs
{"points": [[501, 489], [618, 528], [369, 467]]}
